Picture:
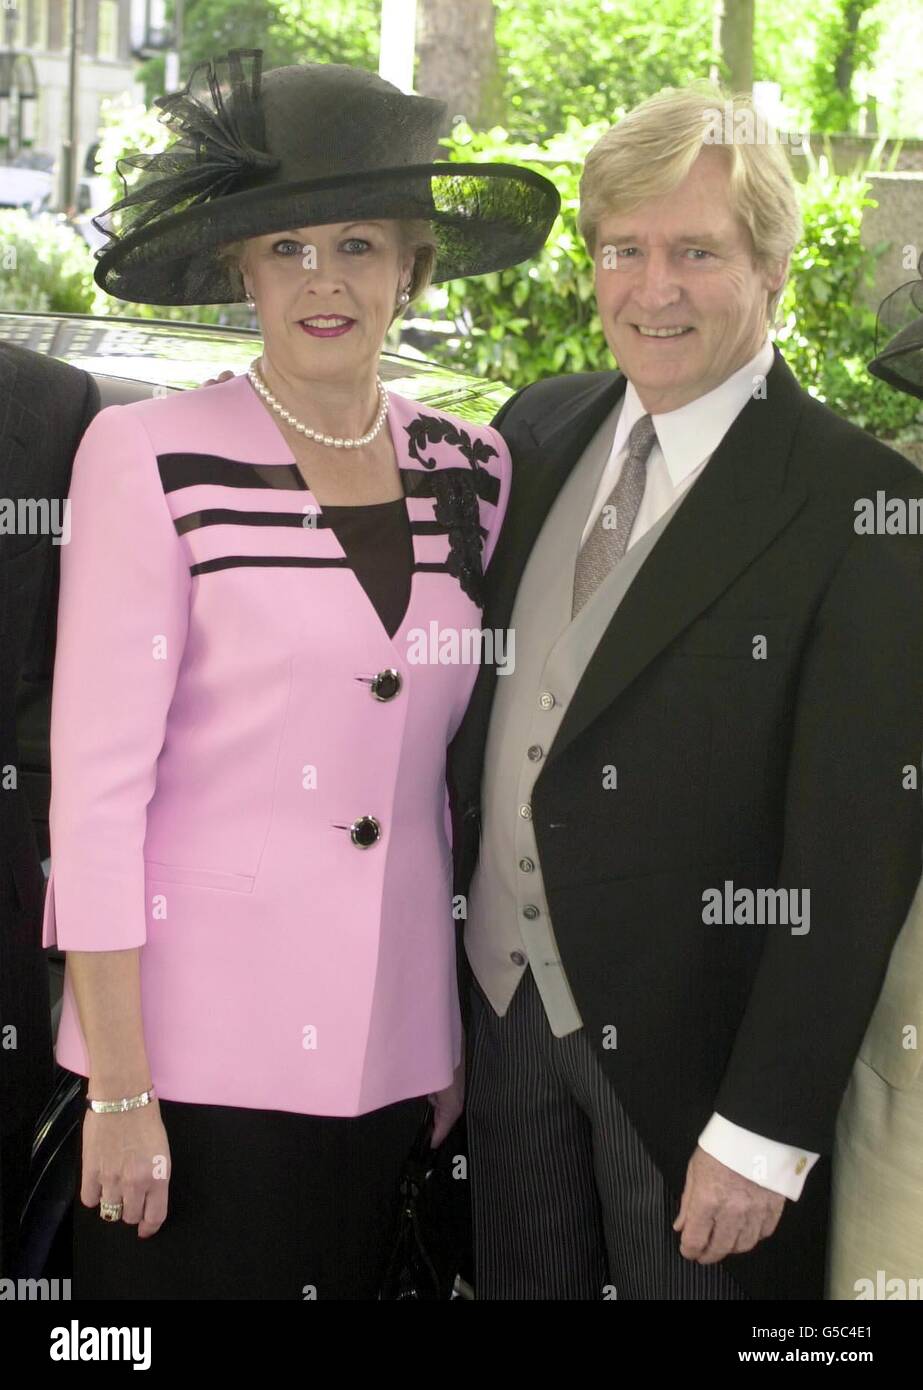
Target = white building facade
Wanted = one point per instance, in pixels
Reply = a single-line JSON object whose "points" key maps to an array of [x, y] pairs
{"points": [[111, 32]]}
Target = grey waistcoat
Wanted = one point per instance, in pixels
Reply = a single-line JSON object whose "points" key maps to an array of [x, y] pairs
{"points": [[508, 926]]}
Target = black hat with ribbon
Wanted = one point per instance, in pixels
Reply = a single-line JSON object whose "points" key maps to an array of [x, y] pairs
{"points": [[899, 338], [295, 147]]}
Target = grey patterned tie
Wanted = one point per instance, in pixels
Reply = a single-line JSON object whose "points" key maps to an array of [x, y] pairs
{"points": [[606, 544]]}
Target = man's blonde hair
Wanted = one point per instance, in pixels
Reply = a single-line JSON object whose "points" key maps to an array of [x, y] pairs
{"points": [[651, 150]]}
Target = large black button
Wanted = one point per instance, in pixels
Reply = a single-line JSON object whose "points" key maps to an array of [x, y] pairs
{"points": [[365, 831], [386, 684]]}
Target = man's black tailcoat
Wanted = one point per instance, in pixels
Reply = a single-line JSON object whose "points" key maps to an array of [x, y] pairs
{"points": [[785, 771]]}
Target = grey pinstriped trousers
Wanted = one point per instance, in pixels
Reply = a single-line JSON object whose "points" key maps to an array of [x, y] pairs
{"points": [[566, 1202]]}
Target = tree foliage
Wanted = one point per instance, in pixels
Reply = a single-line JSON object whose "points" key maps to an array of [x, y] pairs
{"points": [[594, 59]]}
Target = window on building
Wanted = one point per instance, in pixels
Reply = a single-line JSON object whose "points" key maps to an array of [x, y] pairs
{"points": [[81, 20], [107, 34], [38, 27], [13, 24]]}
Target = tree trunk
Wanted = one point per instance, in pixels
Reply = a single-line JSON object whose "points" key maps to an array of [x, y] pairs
{"points": [[844, 65], [737, 43], [457, 60]]}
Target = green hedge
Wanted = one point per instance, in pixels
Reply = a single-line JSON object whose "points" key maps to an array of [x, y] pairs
{"points": [[44, 266]]}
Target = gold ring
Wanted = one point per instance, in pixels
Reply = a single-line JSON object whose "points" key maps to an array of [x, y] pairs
{"points": [[110, 1211]]}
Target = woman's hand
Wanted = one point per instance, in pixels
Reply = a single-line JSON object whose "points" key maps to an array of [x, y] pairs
{"points": [[448, 1104], [126, 1158], [217, 380]]}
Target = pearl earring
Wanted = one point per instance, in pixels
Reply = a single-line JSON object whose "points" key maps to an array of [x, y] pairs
{"points": [[403, 297]]}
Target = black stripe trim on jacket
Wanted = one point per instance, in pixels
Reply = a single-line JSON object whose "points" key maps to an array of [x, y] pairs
{"points": [[180, 470], [227, 516], [225, 562]]}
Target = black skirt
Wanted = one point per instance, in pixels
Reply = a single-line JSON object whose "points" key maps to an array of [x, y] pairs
{"points": [[263, 1204]]}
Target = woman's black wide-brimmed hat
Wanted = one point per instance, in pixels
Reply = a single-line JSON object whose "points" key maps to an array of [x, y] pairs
{"points": [[295, 147], [899, 338]]}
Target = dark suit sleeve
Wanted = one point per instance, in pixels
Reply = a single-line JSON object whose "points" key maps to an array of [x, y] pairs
{"points": [[504, 410], [852, 836], [71, 419], [91, 404]]}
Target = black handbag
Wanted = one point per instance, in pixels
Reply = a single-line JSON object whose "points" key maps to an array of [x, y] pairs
{"points": [[45, 1223], [430, 1254]]}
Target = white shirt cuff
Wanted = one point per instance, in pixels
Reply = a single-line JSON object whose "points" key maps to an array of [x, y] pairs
{"points": [[777, 1166]]}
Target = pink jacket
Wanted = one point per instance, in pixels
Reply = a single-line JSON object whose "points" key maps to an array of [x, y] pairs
{"points": [[215, 735]]}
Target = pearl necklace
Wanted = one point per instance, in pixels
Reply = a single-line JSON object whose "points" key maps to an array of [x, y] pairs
{"points": [[263, 390]]}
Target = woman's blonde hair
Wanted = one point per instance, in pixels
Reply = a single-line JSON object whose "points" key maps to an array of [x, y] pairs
{"points": [[651, 150], [416, 235]]}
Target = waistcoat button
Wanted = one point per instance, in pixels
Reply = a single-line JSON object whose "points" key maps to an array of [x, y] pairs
{"points": [[526, 865], [530, 912], [546, 700], [535, 752], [526, 812], [517, 958]]}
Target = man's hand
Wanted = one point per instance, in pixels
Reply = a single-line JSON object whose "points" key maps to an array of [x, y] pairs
{"points": [[722, 1213], [217, 380]]}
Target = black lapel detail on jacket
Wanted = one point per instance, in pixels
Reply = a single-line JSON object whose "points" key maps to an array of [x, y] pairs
{"points": [[435, 429], [457, 510], [419, 484], [456, 491]]}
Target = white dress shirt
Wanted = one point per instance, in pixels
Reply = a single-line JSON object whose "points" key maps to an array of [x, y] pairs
{"points": [[686, 439]]}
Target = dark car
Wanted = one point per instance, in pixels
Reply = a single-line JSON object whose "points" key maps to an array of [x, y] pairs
{"points": [[132, 359]]}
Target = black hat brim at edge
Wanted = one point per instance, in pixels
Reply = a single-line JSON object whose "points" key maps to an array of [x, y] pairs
{"points": [[900, 327], [485, 217]]}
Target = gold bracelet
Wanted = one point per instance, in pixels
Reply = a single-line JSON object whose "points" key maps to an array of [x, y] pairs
{"points": [[108, 1107]]}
